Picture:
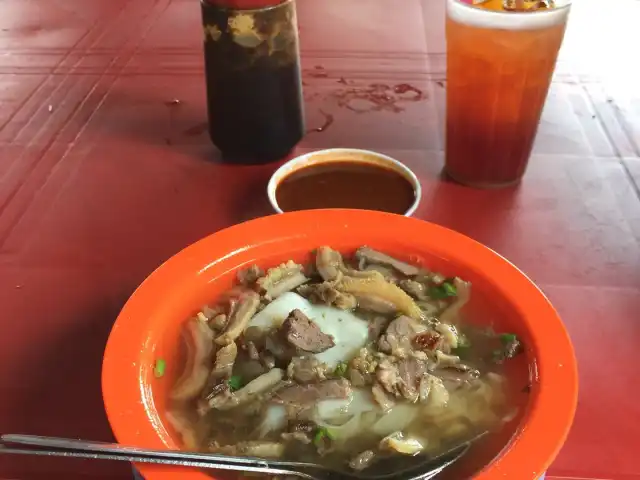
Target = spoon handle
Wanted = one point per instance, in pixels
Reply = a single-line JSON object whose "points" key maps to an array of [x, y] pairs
{"points": [[63, 447]]}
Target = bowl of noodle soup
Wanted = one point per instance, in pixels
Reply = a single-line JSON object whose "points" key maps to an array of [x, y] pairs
{"points": [[344, 337]]}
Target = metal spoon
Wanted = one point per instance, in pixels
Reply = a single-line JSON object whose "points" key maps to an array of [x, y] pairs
{"points": [[418, 467]]}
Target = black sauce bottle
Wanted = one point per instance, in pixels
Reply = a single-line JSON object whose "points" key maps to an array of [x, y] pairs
{"points": [[254, 86]]}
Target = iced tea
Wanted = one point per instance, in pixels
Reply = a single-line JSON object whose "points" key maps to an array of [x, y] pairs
{"points": [[499, 68]]}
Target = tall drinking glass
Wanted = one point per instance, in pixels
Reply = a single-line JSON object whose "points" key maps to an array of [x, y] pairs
{"points": [[499, 68]]}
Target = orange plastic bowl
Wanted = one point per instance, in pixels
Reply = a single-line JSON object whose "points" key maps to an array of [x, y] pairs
{"points": [[149, 325]]}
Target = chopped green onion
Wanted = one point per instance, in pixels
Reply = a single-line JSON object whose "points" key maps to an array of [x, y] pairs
{"points": [[507, 338], [444, 290], [235, 382], [159, 368], [320, 435], [341, 369], [450, 289], [461, 351]]}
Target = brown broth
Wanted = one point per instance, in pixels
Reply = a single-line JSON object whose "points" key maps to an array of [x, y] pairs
{"points": [[345, 184]]}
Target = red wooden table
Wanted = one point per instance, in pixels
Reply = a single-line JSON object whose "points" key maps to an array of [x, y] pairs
{"points": [[103, 175]]}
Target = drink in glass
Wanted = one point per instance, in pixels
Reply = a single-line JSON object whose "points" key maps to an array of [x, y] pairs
{"points": [[500, 59]]}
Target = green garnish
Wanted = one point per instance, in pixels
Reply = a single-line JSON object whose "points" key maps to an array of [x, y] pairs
{"points": [[461, 351], [341, 369], [320, 435], [507, 338], [235, 382], [444, 290], [159, 368]]}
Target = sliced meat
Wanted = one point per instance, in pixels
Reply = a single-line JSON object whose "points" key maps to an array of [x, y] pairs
{"points": [[414, 288], [382, 398], [299, 437], [308, 395], [359, 379], [300, 431], [402, 444], [198, 339], [210, 312], [433, 390], [363, 460], [225, 358], [305, 335], [375, 284], [279, 348], [244, 310], [376, 304], [267, 360], [331, 267], [329, 263], [326, 293], [431, 309], [248, 369], [217, 392], [388, 376], [252, 350], [376, 327], [457, 375], [253, 334], [307, 369], [399, 335], [411, 372], [402, 379], [284, 278], [262, 449], [249, 276], [218, 322], [362, 368], [217, 389], [388, 273], [252, 390], [373, 256], [258, 448]]}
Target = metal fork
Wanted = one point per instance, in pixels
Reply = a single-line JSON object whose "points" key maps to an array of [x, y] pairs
{"points": [[416, 468]]}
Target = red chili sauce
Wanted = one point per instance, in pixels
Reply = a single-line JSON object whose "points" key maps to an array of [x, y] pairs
{"points": [[345, 184]]}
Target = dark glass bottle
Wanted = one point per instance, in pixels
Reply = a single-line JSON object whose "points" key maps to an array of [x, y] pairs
{"points": [[254, 87]]}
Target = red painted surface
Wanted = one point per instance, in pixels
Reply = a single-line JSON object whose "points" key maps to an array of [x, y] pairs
{"points": [[100, 181]]}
